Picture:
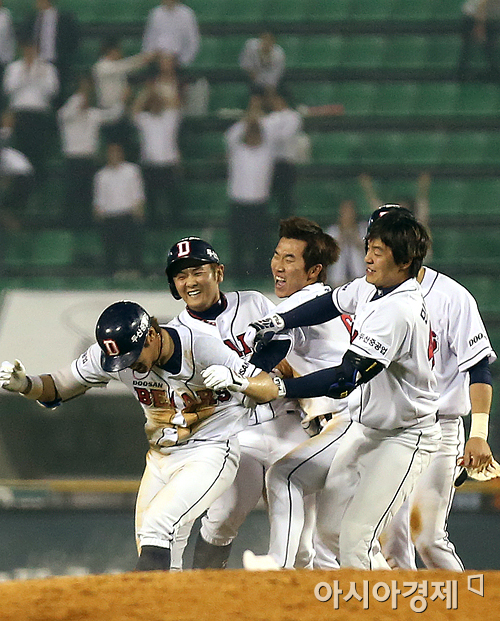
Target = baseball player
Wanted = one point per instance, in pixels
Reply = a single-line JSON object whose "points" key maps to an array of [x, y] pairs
{"points": [[462, 355], [192, 431], [394, 432], [195, 273]]}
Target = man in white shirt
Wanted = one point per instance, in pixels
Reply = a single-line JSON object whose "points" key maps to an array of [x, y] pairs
{"points": [[56, 34], [480, 21], [31, 84], [250, 153], [264, 61], [79, 125], [285, 125], [157, 120], [172, 29], [7, 41], [110, 75], [119, 210]]}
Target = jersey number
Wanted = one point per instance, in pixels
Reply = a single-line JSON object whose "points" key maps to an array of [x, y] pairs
{"points": [[433, 345]]}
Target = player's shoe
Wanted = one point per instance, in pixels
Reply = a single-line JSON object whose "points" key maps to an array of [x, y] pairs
{"points": [[254, 562]]}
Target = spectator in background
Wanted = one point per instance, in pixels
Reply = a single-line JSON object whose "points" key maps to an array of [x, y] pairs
{"points": [[419, 205], [172, 30], [480, 21], [264, 62], [7, 41], [110, 75], [349, 234], [31, 84], [79, 122], [119, 210], [285, 125], [250, 148], [157, 118], [56, 34]]}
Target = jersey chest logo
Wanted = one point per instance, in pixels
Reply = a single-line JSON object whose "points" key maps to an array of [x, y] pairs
{"points": [[241, 348]]}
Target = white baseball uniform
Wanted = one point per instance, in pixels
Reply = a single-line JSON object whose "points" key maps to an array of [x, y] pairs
{"points": [[273, 429], [462, 342], [303, 470], [393, 433], [194, 452]]}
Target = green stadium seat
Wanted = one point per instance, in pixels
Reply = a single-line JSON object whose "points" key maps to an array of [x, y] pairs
{"points": [[403, 52], [228, 95], [52, 248], [284, 10], [19, 249], [319, 10], [481, 197], [87, 247], [313, 93], [416, 148], [446, 197], [88, 52], [446, 9], [362, 51], [131, 45], [394, 98], [218, 52], [368, 9], [437, 98], [356, 97], [336, 147], [237, 11], [465, 148], [442, 51], [207, 199], [478, 245], [208, 146], [411, 10], [476, 99], [318, 51]]}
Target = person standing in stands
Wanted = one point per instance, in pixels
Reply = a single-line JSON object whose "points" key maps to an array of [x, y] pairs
{"points": [[264, 62], [119, 209], [31, 83], [79, 123], [7, 41], [285, 124], [56, 34], [480, 22], [250, 153], [172, 30], [157, 119]]}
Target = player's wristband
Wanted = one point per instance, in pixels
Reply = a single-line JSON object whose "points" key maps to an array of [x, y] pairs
{"points": [[34, 389], [281, 386], [479, 425]]}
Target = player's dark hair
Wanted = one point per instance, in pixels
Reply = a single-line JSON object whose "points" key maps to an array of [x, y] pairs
{"points": [[408, 239], [320, 248]]}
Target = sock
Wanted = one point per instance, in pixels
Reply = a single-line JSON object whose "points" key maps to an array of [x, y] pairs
{"points": [[153, 558]]}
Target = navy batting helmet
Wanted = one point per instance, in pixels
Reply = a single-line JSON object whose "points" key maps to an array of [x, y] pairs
{"points": [[383, 209], [121, 331], [188, 252]]}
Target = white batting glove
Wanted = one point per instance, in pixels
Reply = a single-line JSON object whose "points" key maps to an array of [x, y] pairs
{"points": [[13, 376], [259, 333], [218, 377]]}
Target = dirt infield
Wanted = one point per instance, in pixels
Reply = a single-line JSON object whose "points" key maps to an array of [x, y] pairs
{"points": [[250, 596]]}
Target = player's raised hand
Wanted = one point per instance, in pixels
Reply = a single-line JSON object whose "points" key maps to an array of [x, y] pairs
{"points": [[259, 333], [218, 377], [13, 376]]}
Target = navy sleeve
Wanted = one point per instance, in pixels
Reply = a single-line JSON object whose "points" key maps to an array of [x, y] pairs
{"points": [[311, 313], [315, 384], [271, 355], [480, 373]]}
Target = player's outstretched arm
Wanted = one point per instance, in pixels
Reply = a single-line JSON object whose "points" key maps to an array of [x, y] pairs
{"points": [[477, 452], [13, 378], [261, 388], [311, 313]]}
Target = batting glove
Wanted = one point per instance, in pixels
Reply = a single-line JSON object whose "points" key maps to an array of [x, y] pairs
{"points": [[259, 333], [13, 376], [218, 377]]}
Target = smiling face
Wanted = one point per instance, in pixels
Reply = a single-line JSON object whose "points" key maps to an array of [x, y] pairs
{"points": [[199, 286], [289, 269], [381, 269]]}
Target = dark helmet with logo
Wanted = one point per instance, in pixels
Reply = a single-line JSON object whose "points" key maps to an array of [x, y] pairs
{"points": [[121, 331], [188, 252]]}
